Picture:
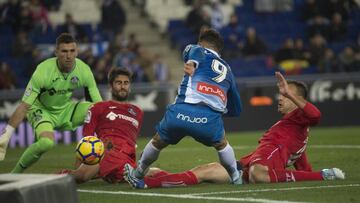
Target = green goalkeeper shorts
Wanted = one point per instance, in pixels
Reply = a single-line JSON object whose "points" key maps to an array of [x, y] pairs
{"points": [[68, 118]]}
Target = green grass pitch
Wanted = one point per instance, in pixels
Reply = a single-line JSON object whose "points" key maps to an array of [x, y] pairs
{"points": [[328, 147]]}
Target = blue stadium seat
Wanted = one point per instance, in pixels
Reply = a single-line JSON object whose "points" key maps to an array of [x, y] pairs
{"points": [[88, 28], [17, 66], [5, 47], [47, 37], [298, 4], [99, 35], [337, 47], [250, 67], [5, 30], [181, 37], [310, 70], [175, 24], [184, 41]]}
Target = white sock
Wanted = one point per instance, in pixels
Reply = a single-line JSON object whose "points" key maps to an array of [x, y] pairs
{"points": [[227, 159], [149, 155]]}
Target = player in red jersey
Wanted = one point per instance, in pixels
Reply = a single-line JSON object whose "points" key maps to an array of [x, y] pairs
{"points": [[283, 145], [117, 124]]}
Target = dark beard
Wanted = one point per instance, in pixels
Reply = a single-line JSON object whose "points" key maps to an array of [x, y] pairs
{"points": [[118, 97]]}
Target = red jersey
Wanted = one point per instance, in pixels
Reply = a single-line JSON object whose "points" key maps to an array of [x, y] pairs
{"points": [[120, 122], [291, 133]]}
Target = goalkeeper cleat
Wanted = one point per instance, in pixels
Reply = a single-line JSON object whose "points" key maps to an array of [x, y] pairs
{"points": [[129, 176], [332, 174]]}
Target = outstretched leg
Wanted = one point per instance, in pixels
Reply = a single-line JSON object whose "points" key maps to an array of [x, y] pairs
{"points": [[213, 172], [149, 155], [261, 174], [227, 159], [33, 153], [135, 177]]}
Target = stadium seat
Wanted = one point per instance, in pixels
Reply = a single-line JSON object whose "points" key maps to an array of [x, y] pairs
{"points": [[249, 67], [47, 37], [310, 70]]}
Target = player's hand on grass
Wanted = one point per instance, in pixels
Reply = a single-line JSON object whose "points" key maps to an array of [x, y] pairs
{"points": [[282, 84], [4, 140]]}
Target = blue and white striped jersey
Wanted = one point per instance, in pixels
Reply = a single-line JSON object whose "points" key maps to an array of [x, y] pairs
{"points": [[212, 83]]}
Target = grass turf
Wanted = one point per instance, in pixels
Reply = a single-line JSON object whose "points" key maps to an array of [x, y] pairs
{"points": [[328, 147]]}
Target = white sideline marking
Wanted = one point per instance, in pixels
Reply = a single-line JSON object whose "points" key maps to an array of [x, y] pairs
{"points": [[188, 196], [276, 189], [336, 146], [181, 149]]}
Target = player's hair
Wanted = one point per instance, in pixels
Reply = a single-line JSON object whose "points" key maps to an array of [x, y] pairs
{"points": [[64, 38], [212, 37], [114, 72], [301, 88]]}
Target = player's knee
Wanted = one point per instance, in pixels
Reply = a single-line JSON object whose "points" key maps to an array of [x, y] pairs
{"points": [[158, 143], [221, 145], [258, 174], [152, 171], [45, 144]]}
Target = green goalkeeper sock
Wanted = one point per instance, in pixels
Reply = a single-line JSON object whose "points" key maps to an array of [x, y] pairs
{"points": [[33, 153]]}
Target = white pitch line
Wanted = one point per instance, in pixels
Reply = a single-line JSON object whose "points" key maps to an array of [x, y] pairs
{"points": [[275, 189], [182, 149], [180, 196], [335, 146]]}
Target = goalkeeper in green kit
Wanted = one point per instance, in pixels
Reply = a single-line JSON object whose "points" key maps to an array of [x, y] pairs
{"points": [[47, 101]]}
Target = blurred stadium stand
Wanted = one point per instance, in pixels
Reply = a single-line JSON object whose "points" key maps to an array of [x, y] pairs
{"points": [[273, 27], [84, 11], [160, 27]]}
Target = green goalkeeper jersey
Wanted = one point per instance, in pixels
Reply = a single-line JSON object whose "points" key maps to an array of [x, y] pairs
{"points": [[51, 89]]}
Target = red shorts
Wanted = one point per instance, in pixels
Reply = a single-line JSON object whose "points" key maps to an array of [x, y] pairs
{"points": [[115, 157], [272, 156]]}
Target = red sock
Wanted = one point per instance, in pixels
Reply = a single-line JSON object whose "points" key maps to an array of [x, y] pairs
{"points": [[278, 175], [172, 180]]}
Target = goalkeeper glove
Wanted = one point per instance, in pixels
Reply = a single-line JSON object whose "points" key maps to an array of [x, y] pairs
{"points": [[4, 140]]}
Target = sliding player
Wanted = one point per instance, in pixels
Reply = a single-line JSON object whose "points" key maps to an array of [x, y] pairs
{"points": [[283, 145], [117, 124]]}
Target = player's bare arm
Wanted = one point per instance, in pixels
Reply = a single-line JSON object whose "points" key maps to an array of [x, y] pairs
{"points": [[19, 114], [286, 92], [189, 68]]}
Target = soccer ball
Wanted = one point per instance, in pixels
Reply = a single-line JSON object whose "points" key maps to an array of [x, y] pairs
{"points": [[90, 150]]}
